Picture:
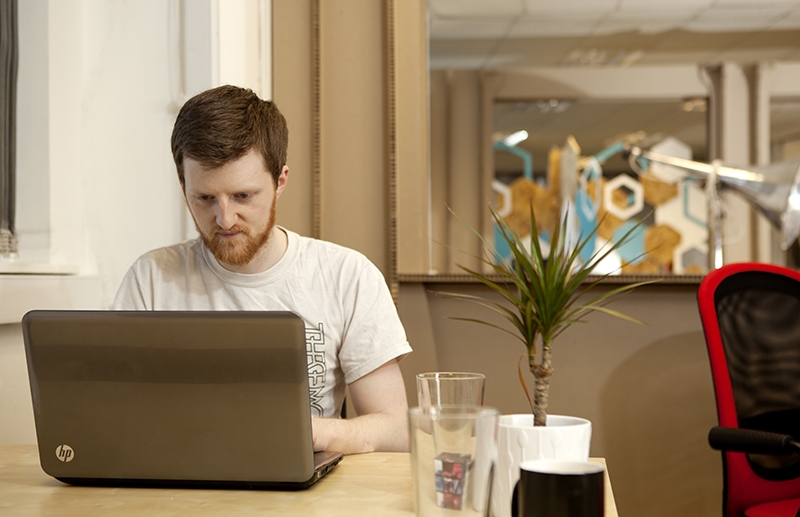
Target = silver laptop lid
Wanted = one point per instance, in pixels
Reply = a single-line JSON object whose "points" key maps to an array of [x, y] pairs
{"points": [[174, 396]]}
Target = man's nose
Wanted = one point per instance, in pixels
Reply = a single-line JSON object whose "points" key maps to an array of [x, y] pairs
{"points": [[226, 215]]}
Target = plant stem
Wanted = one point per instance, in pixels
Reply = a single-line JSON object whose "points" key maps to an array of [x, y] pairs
{"points": [[541, 373]]}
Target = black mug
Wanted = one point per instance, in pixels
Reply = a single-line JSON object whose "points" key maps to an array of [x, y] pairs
{"points": [[551, 488]]}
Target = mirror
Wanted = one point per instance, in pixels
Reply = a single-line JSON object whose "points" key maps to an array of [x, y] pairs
{"points": [[610, 73]]}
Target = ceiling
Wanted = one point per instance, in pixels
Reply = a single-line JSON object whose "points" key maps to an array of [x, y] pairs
{"points": [[537, 33], [488, 34]]}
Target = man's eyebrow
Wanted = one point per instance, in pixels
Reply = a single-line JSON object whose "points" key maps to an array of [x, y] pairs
{"points": [[194, 191], [253, 189]]}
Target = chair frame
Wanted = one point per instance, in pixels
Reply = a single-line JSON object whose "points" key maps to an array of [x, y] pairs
{"points": [[739, 478]]}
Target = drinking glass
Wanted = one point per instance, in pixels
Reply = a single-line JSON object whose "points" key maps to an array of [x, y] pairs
{"points": [[453, 452], [450, 389]]}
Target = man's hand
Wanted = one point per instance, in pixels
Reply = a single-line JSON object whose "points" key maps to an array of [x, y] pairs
{"points": [[379, 399]]}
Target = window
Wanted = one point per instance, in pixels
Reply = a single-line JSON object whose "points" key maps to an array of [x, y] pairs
{"points": [[8, 103]]}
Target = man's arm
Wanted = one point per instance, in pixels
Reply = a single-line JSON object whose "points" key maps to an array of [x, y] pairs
{"points": [[379, 398]]}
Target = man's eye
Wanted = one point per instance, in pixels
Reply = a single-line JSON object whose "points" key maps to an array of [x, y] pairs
{"points": [[203, 198], [243, 195]]}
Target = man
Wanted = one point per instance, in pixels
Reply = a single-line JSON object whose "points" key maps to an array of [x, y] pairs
{"points": [[230, 150]]}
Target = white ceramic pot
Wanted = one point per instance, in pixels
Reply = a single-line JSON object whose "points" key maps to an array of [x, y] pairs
{"points": [[563, 438]]}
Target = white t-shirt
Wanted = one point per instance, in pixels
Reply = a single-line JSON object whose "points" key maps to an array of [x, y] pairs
{"points": [[352, 326]]}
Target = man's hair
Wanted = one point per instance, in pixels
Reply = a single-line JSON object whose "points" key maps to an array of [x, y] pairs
{"points": [[223, 124]]}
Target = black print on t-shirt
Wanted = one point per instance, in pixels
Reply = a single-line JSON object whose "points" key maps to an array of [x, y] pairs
{"points": [[315, 351]]}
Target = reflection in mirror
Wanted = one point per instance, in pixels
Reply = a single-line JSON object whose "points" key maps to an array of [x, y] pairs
{"points": [[591, 177], [601, 73], [785, 143], [784, 129]]}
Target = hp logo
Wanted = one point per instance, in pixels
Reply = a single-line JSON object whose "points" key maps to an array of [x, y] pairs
{"points": [[65, 453]]}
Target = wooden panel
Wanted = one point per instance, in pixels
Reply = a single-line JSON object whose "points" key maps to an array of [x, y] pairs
{"points": [[292, 83], [409, 83], [352, 127]]}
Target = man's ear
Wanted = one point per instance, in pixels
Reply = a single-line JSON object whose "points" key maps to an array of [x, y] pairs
{"points": [[282, 180]]}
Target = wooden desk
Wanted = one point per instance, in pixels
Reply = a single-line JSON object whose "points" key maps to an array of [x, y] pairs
{"points": [[368, 484]]}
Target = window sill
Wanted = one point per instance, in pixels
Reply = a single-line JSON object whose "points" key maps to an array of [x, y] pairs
{"points": [[22, 292], [15, 268]]}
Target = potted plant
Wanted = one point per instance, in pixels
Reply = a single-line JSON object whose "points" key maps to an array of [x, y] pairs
{"points": [[541, 296]]}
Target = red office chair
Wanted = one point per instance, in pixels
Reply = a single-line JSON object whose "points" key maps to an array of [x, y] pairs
{"points": [[751, 319]]}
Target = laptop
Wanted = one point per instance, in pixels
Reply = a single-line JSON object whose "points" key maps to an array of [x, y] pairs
{"points": [[173, 398]]}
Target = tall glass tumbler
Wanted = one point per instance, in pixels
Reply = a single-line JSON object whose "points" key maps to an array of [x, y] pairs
{"points": [[453, 453], [450, 388]]}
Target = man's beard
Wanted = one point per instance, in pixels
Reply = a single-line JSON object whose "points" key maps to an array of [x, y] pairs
{"points": [[232, 251]]}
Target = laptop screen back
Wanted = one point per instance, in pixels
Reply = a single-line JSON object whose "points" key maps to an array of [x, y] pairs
{"points": [[207, 397]]}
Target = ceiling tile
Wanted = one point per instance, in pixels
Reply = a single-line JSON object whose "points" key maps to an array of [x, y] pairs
{"points": [[552, 26], [736, 19], [679, 31], [790, 21], [570, 7], [461, 29], [616, 26], [674, 6], [469, 62], [650, 22], [757, 3], [538, 52], [475, 8]]}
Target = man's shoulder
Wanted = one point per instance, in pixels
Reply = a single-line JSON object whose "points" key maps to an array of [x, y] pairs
{"points": [[171, 256], [315, 249]]}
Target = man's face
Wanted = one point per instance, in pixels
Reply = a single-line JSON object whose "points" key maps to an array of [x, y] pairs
{"points": [[233, 207]]}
